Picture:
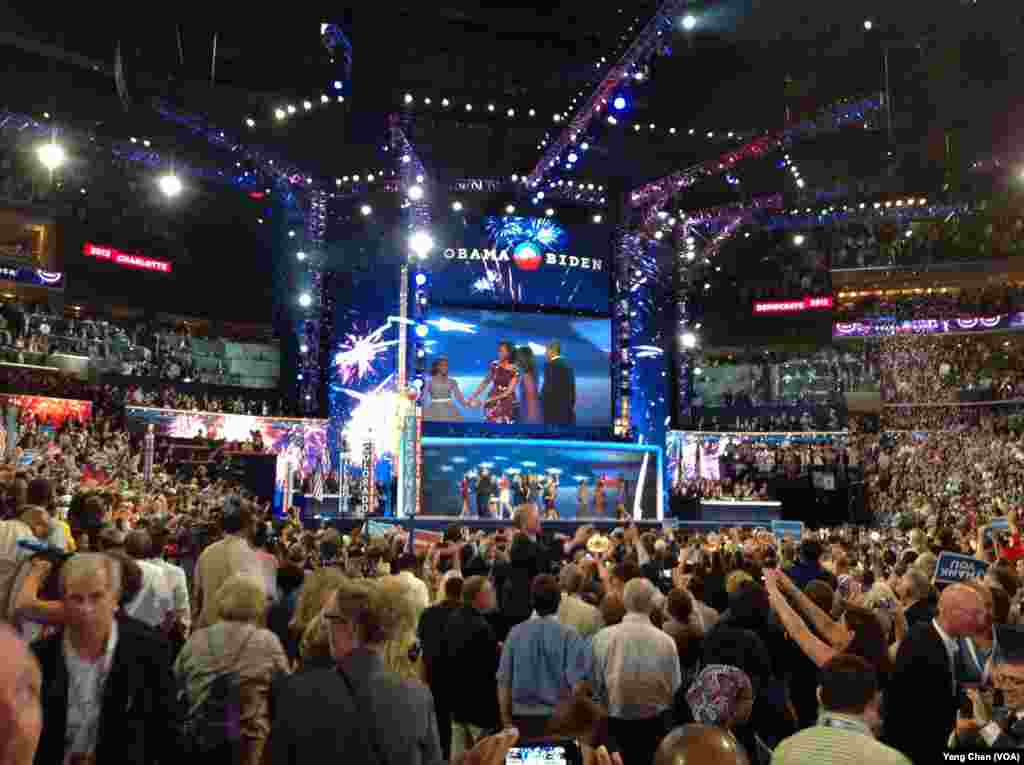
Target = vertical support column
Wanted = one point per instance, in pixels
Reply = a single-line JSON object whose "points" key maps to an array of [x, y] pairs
{"points": [[312, 340], [681, 355], [624, 244]]}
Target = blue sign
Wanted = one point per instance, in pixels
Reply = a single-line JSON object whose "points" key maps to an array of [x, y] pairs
{"points": [[792, 529], [999, 524], [953, 567]]}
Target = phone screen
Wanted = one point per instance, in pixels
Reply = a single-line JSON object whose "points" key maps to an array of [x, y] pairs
{"points": [[551, 754]]}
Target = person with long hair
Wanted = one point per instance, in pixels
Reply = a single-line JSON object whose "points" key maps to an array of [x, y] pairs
{"points": [[501, 405], [529, 410], [599, 498], [441, 391], [858, 632]]}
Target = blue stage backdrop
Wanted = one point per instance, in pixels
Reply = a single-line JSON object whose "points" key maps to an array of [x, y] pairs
{"points": [[468, 340], [452, 469], [527, 262]]}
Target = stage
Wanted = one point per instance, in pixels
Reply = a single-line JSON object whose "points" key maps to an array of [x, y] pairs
{"points": [[730, 513]]}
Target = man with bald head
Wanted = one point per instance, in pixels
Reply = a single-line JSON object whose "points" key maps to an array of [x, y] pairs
{"points": [[21, 713], [700, 745], [923, 688]]}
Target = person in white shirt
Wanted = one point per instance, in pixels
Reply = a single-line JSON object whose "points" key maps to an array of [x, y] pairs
{"points": [[636, 674], [155, 602], [32, 526]]}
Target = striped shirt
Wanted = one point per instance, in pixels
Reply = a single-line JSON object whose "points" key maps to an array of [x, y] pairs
{"points": [[837, 740]]}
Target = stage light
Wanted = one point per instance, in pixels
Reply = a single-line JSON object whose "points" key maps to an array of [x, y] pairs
{"points": [[697, 371], [337, 85], [427, 101], [303, 348], [457, 206], [510, 210], [799, 239], [421, 330], [305, 300], [170, 185], [51, 155], [689, 340], [490, 107], [909, 233], [279, 113], [658, 235], [533, 112], [689, 22], [366, 210], [619, 103], [598, 219], [291, 109], [868, 25], [408, 98], [612, 120], [301, 256], [549, 212], [324, 99], [469, 107], [584, 146], [291, 234], [573, 157], [415, 193], [250, 122], [799, 183], [421, 279], [421, 243], [307, 105]]}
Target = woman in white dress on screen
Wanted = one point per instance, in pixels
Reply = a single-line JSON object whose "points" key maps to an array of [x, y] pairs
{"points": [[441, 393]]}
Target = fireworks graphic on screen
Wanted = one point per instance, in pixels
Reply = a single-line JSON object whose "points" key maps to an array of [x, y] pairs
{"points": [[359, 353], [528, 239]]}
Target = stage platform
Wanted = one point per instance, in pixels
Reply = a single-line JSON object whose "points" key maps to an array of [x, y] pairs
{"points": [[729, 513]]}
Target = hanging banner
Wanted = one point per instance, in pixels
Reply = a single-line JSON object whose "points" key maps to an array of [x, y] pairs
{"points": [[408, 457]]}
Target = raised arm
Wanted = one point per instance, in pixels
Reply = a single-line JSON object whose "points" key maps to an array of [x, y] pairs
{"points": [[823, 623], [813, 648]]}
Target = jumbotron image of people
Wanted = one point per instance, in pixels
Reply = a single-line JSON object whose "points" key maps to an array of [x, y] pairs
{"points": [[559, 380]]}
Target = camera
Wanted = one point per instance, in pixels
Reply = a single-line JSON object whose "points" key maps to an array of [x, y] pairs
{"points": [[546, 752]]}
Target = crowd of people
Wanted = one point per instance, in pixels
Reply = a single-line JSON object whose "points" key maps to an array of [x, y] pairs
{"points": [[141, 348], [964, 303], [110, 397]]}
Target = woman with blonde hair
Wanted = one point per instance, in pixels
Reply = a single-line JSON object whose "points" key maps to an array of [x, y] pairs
{"points": [[316, 586], [236, 644], [401, 652]]}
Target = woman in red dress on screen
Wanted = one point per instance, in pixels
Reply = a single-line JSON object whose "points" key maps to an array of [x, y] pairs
{"points": [[464, 490], [501, 405]]}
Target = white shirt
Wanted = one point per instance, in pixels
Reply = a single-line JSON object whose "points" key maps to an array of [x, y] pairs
{"points": [[85, 696], [156, 598], [178, 583], [636, 668]]}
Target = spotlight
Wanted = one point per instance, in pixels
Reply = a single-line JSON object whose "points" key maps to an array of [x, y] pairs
{"points": [[573, 157], [598, 218], [170, 185], [51, 155], [366, 210], [799, 183], [549, 212], [291, 234], [408, 98], [510, 210], [457, 206], [307, 105], [337, 84], [658, 235], [301, 256], [415, 193], [324, 99], [619, 103], [303, 348], [689, 340], [868, 25], [421, 279], [279, 113], [445, 102], [798, 240], [250, 122], [689, 22], [421, 243], [421, 330], [291, 109], [305, 300]]}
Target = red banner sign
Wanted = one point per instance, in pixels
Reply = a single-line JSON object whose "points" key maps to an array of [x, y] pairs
{"points": [[125, 258], [793, 306]]}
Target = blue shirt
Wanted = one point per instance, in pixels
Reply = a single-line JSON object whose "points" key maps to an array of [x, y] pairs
{"points": [[541, 661]]}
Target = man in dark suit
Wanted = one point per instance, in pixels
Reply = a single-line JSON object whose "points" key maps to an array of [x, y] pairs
{"points": [[925, 673], [558, 396], [108, 694], [431, 631]]}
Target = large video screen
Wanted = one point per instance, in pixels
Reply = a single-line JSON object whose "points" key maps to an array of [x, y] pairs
{"points": [[529, 262], [517, 371], [488, 478]]}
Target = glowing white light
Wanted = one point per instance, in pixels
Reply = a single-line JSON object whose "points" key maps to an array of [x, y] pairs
{"points": [[447, 325], [375, 421], [549, 212], [445, 102], [457, 206], [868, 25], [307, 105], [415, 193], [408, 98], [303, 348], [366, 210], [598, 219], [305, 300], [421, 243], [170, 185], [689, 340], [510, 210], [300, 255], [799, 239], [291, 109], [689, 22], [250, 122], [279, 113], [51, 155], [511, 112]]}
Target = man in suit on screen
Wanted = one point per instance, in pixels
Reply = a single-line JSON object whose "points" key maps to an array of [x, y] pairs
{"points": [[558, 396]]}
